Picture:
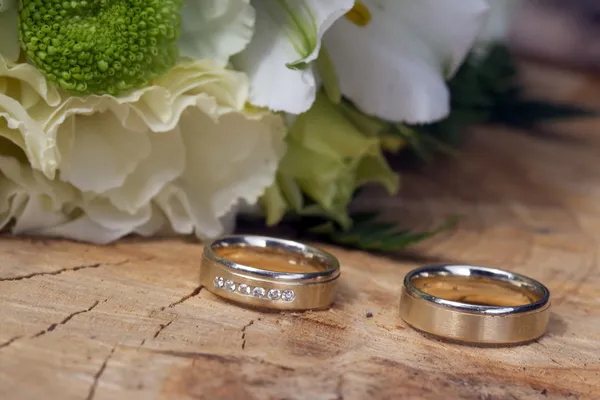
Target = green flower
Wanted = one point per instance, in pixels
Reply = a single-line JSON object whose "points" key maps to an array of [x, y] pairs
{"points": [[328, 158], [100, 46]]}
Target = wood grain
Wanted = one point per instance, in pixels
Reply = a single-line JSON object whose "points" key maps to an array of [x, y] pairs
{"points": [[128, 321]]}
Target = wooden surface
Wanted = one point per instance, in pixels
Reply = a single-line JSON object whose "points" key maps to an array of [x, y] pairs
{"points": [[129, 321]]}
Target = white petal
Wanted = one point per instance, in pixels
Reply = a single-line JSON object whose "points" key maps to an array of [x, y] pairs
{"points": [[30, 79], [34, 182], [37, 215], [156, 225], [37, 202], [287, 39], [393, 86], [26, 99], [9, 196], [104, 213], [165, 163], [201, 84], [26, 133], [37, 207], [215, 29], [9, 33], [306, 21], [449, 30], [500, 17], [100, 223], [233, 160], [395, 67], [171, 201], [85, 230], [101, 154]]}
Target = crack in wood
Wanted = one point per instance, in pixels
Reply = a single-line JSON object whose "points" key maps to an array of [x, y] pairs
{"points": [[67, 319], [60, 271], [10, 341], [249, 324], [53, 326], [546, 353], [98, 375], [214, 357], [57, 272], [161, 328], [196, 292], [339, 389]]}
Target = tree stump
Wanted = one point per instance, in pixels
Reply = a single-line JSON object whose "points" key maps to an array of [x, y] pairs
{"points": [[129, 321]]}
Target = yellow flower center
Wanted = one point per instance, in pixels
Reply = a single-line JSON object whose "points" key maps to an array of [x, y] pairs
{"points": [[359, 15]]}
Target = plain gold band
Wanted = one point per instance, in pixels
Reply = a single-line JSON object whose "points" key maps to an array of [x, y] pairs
{"points": [[267, 289], [423, 313], [473, 328]]}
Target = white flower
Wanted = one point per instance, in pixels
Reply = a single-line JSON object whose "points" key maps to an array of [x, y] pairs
{"points": [[286, 42], [392, 62], [176, 156], [25, 99], [28, 196], [215, 29]]}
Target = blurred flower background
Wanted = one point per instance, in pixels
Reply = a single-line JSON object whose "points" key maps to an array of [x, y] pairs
{"points": [[566, 32]]}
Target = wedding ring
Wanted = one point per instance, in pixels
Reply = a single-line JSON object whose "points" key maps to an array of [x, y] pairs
{"points": [[269, 273], [475, 304]]}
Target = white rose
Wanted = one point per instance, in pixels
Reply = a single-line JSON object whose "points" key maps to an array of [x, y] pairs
{"points": [[176, 156]]}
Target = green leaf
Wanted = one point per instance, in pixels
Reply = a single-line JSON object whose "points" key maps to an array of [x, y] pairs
{"points": [[328, 158], [368, 233], [526, 114], [329, 76], [366, 124], [486, 89], [491, 87], [277, 205], [424, 143]]}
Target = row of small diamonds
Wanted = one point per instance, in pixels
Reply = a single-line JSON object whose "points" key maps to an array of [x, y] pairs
{"points": [[258, 292]]}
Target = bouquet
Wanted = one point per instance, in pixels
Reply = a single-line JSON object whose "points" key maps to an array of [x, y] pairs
{"points": [[169, 117]]}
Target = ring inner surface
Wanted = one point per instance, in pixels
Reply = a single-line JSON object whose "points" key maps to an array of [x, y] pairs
{"points": [[475, 290], [270, 259]]}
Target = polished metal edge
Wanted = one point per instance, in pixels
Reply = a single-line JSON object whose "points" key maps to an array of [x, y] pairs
{"points": [[483, 272], [222, 268], [330, 262]]}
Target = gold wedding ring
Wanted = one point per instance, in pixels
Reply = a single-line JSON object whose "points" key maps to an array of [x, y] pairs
{"points": [[475, 304], [270, 273]]}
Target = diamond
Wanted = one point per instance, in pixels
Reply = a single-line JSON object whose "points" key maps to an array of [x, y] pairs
{"points": [[244, 289], [288, 295], [274, 294], [219, 282], [259, 292], [230, 286]]}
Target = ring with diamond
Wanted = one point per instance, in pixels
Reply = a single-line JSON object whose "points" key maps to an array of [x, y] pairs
{"points": [[270, 273], [474, 304]]}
